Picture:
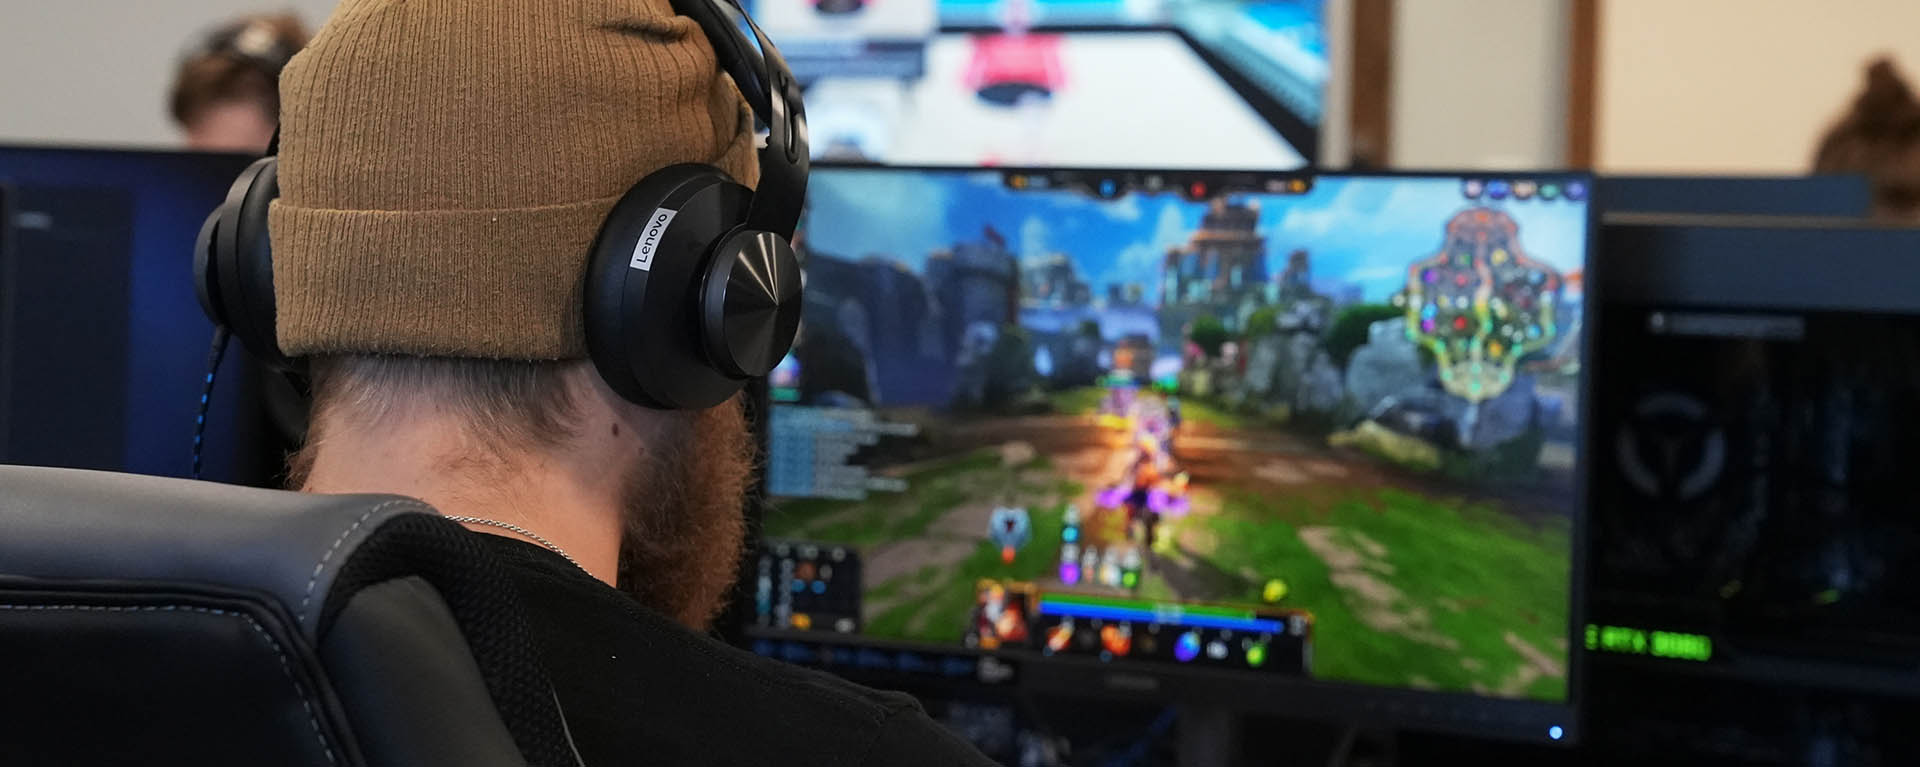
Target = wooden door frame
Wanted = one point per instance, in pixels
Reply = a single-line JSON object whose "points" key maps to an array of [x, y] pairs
{"points": [[1583, 52], [1370, 110]]}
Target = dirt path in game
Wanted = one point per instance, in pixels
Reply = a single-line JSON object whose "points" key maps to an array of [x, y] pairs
{"points": [[1269, 462], [1265, 461], [948, 542], [957, 532]]}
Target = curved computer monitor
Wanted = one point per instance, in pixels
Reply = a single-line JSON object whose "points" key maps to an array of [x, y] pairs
{"points": [[1290, 443]]}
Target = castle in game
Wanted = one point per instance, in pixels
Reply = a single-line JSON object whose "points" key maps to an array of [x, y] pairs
{"points": [[975, 283], [1223, 264], [1055, 281]]}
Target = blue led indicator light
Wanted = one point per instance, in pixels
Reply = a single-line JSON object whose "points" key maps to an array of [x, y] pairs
{"points": [[1555, 732]]}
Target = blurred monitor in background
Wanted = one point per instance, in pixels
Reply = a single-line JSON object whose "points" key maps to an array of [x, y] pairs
{"points": [[103, 350], [1212, 84], [1844, 195], [1880, 136], [226, 94]]}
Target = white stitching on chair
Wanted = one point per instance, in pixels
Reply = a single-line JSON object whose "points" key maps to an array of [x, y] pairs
{"points": [[322, 566], [285, 668]]}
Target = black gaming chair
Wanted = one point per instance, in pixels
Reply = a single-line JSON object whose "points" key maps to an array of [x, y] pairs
{"points": [[160, 621]]}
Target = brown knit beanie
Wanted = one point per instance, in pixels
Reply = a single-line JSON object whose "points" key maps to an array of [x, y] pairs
{"points": [[445, 165]]}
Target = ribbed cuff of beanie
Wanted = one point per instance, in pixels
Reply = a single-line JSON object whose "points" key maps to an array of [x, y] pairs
{"points": [[445, 283]]}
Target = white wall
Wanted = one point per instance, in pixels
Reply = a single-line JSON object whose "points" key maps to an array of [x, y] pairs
{"points": [[1480, 84], [1742, 86], [97, 71]]}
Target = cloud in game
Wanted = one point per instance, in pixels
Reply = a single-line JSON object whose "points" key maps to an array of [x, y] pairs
{"points": [[1142, 261], [1125, 209], [1033, 239]]}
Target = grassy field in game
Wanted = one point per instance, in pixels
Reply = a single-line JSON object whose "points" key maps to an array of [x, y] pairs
{"points": [[1407, 588]]}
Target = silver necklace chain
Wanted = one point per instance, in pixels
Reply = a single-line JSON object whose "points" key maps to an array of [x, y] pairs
{"points": [[508, 526]]}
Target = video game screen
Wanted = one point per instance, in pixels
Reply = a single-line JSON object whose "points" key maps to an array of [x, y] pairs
{"points": [[1320, 426], [1015, 82]]}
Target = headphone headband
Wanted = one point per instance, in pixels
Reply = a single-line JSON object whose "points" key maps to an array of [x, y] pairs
{"points": [[786, 158], [768, 85]]}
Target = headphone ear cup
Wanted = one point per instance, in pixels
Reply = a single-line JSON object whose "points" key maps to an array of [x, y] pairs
{"points": [[750, 303], [206, 283], [643, 292], [240, 286]]}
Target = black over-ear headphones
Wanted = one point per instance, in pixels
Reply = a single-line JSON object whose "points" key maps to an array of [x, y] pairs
{"points": [[692, 288]]}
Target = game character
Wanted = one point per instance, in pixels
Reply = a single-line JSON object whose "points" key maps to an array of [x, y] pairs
{"points": [[1116, 411], [1140, 511], [999, 617], [1010, 529], [1152, 488], [1160, 428]]}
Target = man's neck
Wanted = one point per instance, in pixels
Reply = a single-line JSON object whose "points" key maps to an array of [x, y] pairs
{"points": [[573, 503]]}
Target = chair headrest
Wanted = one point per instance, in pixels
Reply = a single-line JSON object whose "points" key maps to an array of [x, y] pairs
{"points": [[67, 523], [375, 598]]}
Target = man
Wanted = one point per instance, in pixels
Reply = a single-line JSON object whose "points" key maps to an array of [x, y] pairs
{"points": [[223, 95], [444, 167]]}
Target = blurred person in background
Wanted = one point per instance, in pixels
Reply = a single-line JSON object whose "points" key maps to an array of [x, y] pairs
{"points": [[226, 92], [1879, 137]]}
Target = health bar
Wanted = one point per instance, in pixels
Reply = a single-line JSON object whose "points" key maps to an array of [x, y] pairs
{"points": [[1196, 616]]}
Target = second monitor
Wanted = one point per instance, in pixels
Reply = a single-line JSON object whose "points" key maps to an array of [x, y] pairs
{"points": [[1292, 439]]}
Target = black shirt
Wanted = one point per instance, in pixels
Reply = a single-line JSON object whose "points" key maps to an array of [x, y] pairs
{"points": [[638, 688]]}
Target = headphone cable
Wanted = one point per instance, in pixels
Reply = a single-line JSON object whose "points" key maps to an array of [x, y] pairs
{"points": [[219, 350]]}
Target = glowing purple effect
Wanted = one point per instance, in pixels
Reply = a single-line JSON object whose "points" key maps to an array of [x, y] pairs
{"points": [[1159, 501]]}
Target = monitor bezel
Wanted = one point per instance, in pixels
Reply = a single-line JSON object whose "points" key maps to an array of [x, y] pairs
{"points": [[1520, 719]]}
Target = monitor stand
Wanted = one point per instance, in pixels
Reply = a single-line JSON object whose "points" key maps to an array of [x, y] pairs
{"points": [[1208, 736]]}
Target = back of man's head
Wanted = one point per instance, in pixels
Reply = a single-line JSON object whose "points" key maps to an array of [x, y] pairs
{"points": [[224, 95], [1879, 136], [444, 168]]}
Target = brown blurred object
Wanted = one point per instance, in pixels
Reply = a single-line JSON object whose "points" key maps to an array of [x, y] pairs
{"points": [[226, 93], [1583, 33], [1370, 118], [1879, 136]]}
